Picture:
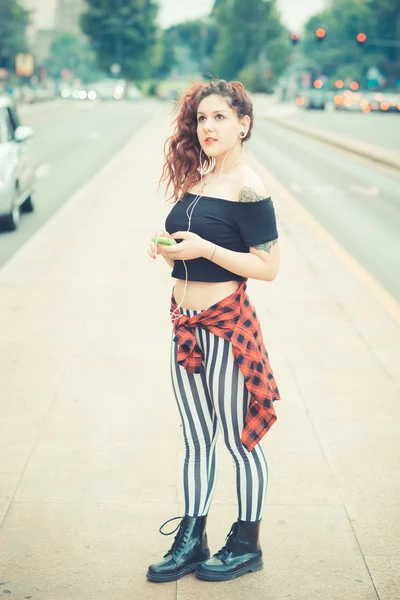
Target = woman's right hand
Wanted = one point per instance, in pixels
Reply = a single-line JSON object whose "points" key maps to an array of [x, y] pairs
{"points": [[153, 248]]}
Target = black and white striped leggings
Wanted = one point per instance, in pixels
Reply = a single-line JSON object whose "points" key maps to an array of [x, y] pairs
{"points": [[212, 400]]}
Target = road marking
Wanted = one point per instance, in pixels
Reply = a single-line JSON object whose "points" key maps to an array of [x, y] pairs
{"points": [[95, 135], [383, 297], [42, 171], [370, 191], [85, 105], [324, 188], [281, 111]]}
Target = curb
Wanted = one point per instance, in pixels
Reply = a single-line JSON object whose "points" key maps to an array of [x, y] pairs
{"points": [[373, 153]]}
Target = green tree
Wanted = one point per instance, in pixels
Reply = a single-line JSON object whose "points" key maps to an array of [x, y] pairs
{"points": [[198, 37], [123, 32], [69, 51], [247, 33], [338, 55], [13, 22], [165, 54], [387, 28]]}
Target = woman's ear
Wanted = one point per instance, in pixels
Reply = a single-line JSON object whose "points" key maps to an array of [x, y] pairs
{"points": [[245, 123]]}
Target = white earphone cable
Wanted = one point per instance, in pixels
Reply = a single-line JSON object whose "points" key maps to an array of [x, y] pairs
{"points": [[176, 314]]}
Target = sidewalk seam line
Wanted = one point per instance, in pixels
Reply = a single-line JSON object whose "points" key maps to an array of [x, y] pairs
{"points": [[343, 505]]}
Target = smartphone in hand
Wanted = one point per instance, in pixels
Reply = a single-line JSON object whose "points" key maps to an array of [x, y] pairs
{"points": [[164, 240]]}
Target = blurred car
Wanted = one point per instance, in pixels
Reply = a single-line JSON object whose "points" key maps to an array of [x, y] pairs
{"points": [[133, 93], [108, 89], [349, 100], [17, 170], [369, 101], [313, 98], [384, 101]]}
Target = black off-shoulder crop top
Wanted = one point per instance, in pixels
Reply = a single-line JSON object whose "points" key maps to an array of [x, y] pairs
{"points": [[233, 225]]}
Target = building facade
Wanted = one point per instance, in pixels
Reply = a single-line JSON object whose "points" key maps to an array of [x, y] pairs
{"points": [[68, 15], [48, 19]]}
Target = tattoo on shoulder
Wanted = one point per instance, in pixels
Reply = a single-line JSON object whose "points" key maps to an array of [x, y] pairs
{"points": [[247, 194], [267, 246]]}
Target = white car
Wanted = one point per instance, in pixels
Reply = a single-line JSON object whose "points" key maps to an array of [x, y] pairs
{"points": [[108, 89], [17, 170]]}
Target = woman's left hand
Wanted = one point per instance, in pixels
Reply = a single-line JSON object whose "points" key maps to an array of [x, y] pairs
{"points": [[192, 246]]}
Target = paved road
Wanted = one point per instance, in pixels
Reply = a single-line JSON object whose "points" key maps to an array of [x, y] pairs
{"points": [[73, 140], [356, 201], [379, 129]]}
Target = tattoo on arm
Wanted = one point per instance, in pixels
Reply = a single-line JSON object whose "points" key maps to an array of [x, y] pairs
{"points": [[247, 194], [267, 246]]}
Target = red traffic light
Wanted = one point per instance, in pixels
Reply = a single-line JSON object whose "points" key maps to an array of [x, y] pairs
{"points": [[320, 33], [361, 38]]}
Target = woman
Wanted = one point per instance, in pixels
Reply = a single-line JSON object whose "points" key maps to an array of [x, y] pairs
{"points": [[224, 223]]}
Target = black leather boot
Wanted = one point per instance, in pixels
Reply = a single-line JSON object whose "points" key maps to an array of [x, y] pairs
{"points": [[242, 553], [188, 550]]}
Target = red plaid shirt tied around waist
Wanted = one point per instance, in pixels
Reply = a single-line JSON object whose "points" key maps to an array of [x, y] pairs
{"points": [[234, 319]]}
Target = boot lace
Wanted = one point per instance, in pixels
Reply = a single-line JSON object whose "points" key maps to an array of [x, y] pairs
{"points": [[223, 554], [181, 537]]}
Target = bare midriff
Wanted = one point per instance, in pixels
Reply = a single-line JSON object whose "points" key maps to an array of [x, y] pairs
{"points": [[201, 295]]}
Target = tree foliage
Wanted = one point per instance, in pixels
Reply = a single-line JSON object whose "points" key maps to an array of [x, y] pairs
{"points": [[248, 31], [198, 37], [387, 27], [339, 55], [69, 51], [123, 32], [238, 40], [13, 22]]}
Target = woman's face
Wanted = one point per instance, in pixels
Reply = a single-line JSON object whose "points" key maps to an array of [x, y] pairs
{"points": [[218, 125]]}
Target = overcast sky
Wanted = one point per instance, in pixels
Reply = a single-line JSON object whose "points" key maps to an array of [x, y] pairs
{"points": [[294, 12]]}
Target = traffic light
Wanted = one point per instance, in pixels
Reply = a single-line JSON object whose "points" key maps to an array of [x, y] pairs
{"points": [[294, 38], [361, 39], [320, 34]]}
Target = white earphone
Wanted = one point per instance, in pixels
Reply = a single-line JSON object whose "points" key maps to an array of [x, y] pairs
{"points": [[176, 314]]}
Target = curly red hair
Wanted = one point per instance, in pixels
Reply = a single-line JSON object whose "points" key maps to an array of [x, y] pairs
{"points": [[182, 148]]}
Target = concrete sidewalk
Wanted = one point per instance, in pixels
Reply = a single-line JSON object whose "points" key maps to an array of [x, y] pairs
{"points": [[91, 447]]}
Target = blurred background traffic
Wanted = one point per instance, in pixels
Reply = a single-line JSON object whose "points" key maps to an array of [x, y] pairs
{"points": [[78, 78], [347, 53]]}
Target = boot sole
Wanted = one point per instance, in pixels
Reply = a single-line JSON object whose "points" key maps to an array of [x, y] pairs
{"points": [[252, 568], [172, 577]]}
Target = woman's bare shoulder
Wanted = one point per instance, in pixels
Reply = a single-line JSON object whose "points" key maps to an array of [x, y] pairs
{"points": [[249, 187]]}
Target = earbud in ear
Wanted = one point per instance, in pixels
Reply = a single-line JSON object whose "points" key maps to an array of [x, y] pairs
{"points": [[242, 133]]}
